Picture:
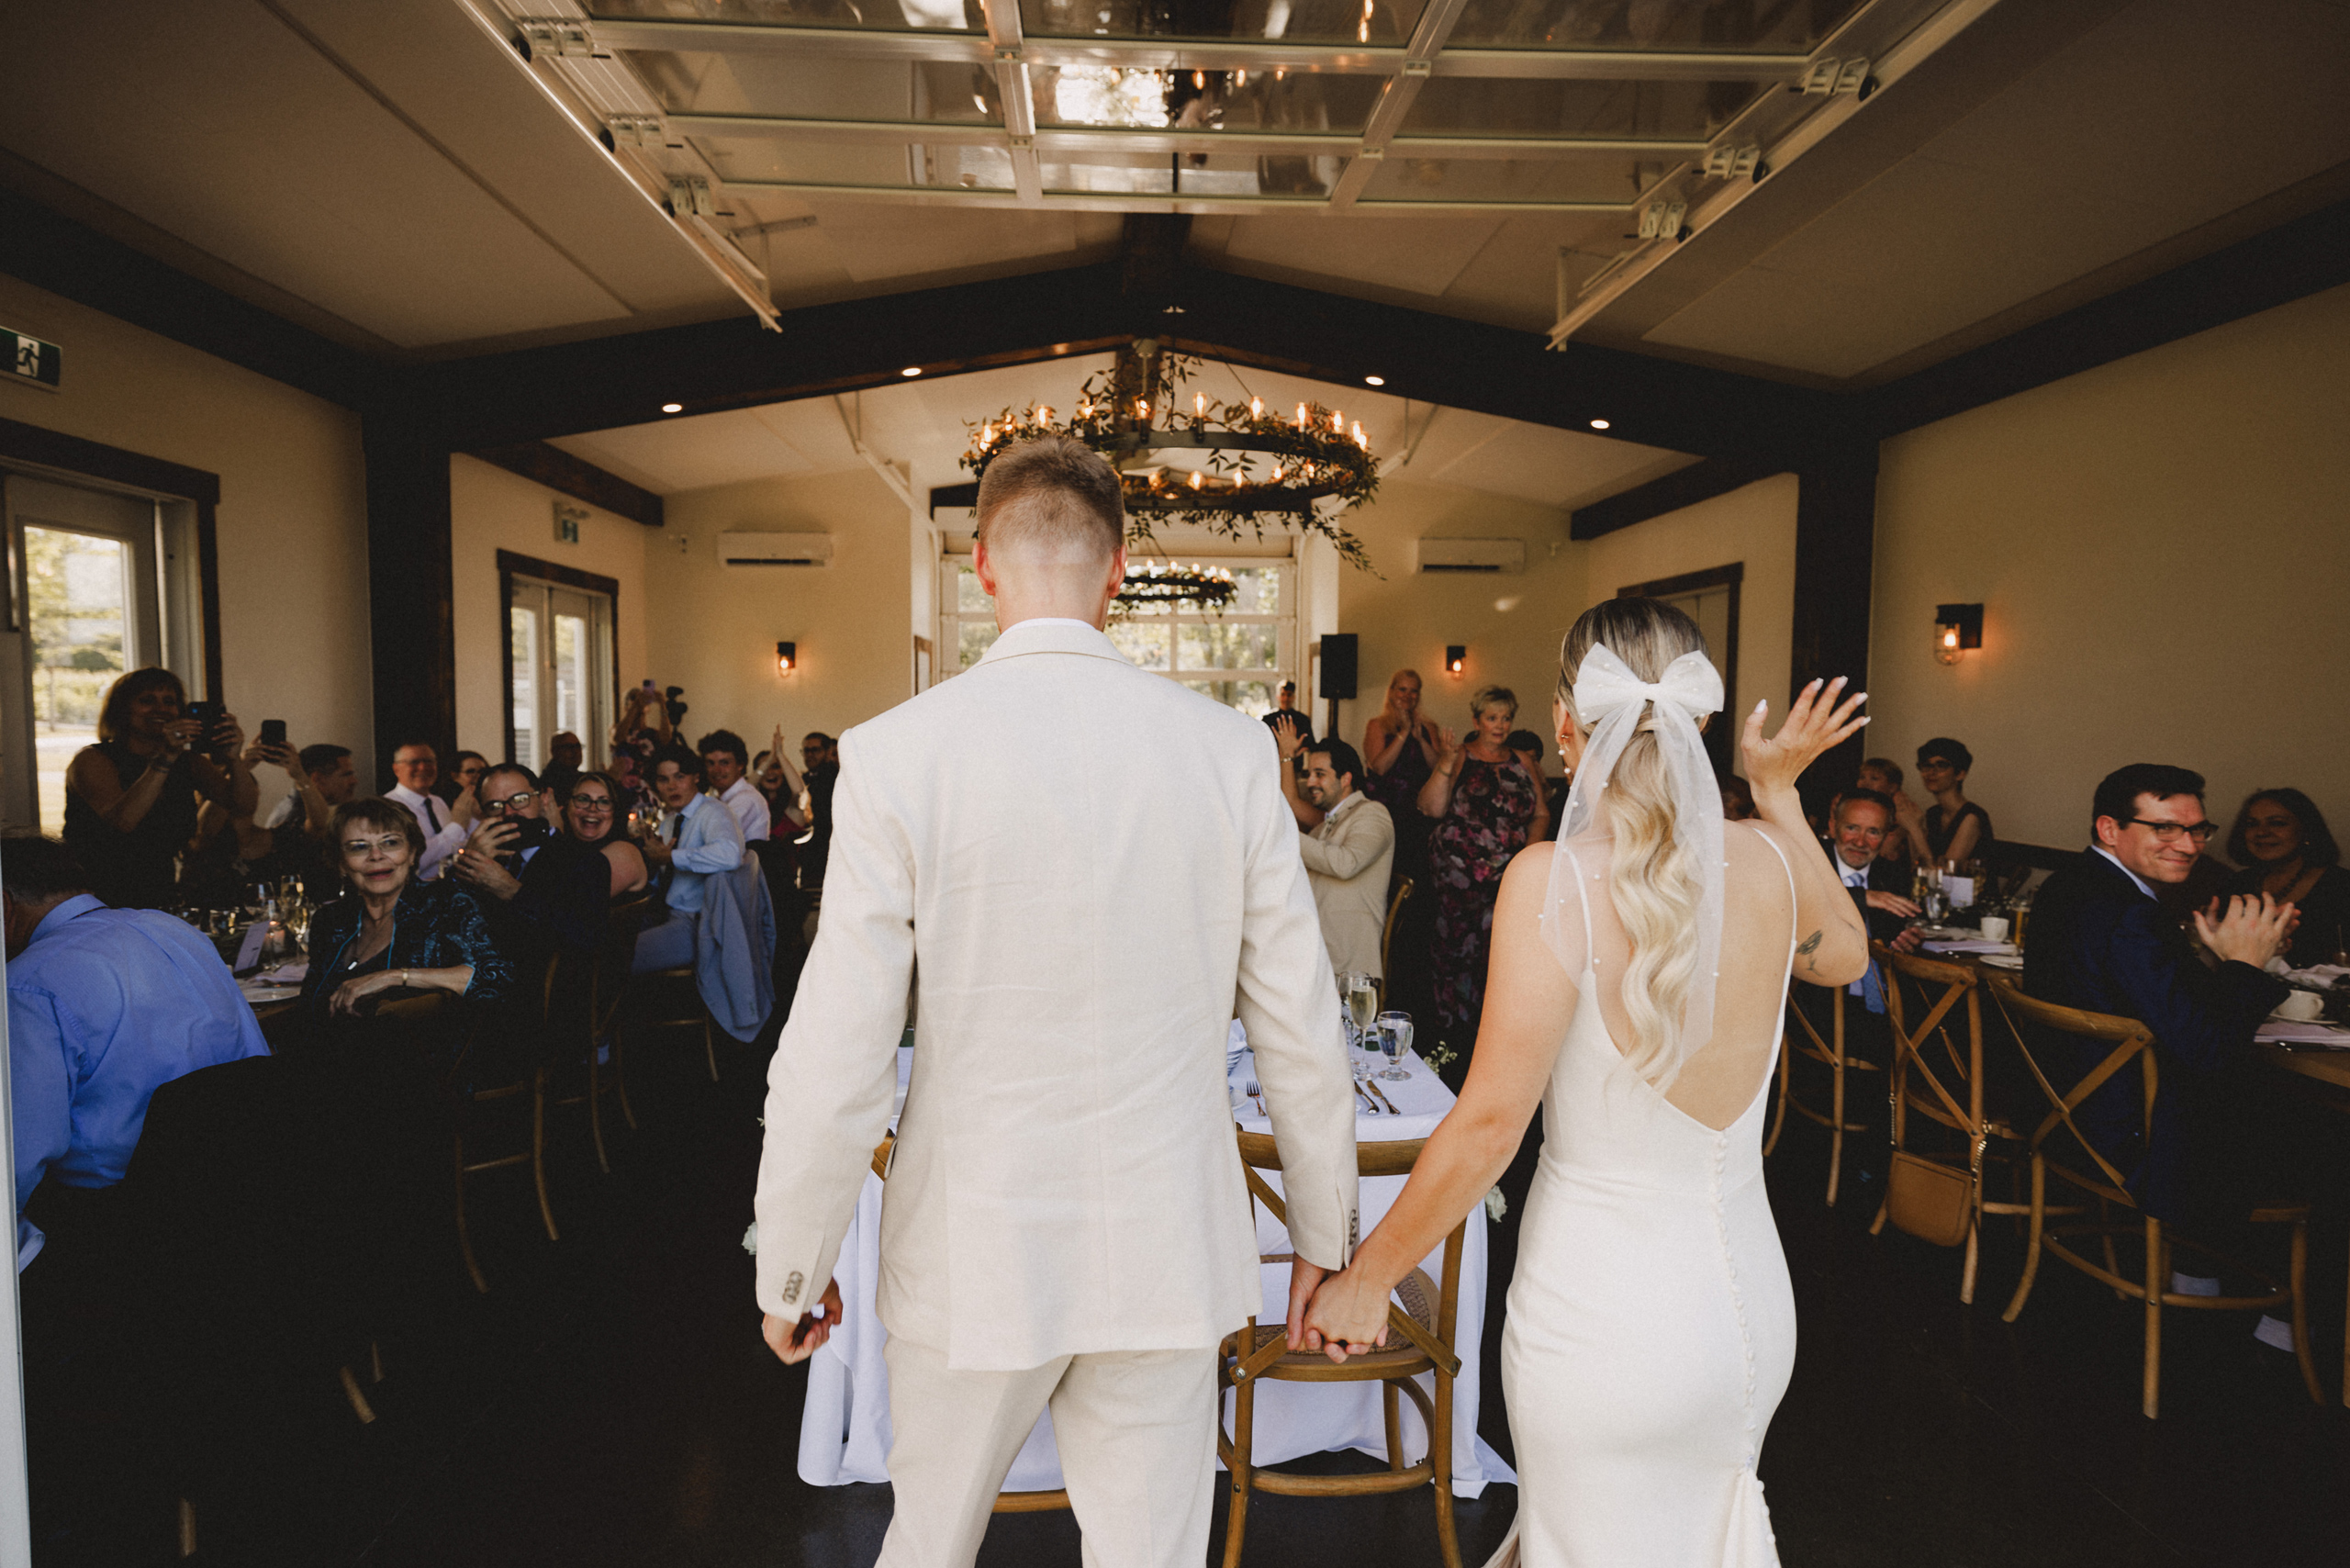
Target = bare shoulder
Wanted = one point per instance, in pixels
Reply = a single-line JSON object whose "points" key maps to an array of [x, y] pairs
{"points": [[1528, 880]]}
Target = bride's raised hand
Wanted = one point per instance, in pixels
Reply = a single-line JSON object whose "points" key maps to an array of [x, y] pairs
{"points": [[1347, 1316], [1816, 720]]}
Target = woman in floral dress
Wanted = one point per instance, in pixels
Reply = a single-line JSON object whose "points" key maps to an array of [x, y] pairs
{"points": [[1489, 803]]}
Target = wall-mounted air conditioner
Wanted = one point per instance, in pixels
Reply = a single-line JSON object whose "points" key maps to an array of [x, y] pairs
{"points": [[775, 549], [1489, 555]]}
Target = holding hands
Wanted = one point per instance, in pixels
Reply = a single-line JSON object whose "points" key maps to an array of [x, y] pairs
{"points": [[795, 1342]]}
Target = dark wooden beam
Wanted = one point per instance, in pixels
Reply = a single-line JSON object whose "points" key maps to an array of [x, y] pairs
{"points": [[575, 477], [412, 634], [1671, 492], [52, 251], [2285, 263], [1835, 553]]}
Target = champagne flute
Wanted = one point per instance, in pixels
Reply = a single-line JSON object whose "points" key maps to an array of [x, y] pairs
{"points": [[1395, 1039]]}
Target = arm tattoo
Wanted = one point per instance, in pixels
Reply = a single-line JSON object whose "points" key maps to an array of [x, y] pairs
{"points": [[1805, 949]]}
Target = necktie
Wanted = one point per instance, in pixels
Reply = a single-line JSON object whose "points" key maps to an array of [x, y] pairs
{"points": [[433, 815]]}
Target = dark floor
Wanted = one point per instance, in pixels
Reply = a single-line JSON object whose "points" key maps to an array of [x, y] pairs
{"points": [[610, 1403]]}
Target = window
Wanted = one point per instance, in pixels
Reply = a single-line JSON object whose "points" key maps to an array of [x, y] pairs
{"points": [[562, 670], [1239, 655]]}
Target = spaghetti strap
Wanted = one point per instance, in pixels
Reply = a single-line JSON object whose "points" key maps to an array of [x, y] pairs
{"points": [[1793, 918]]}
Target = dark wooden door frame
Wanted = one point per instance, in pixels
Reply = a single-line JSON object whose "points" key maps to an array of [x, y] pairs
{"points": [[511, 565], [1719, 741]]}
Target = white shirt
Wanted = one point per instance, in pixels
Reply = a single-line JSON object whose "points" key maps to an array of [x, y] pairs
{"points": [[750, 808], [1354, 798], [2125, 870], [439, 843], [1854, 876]]}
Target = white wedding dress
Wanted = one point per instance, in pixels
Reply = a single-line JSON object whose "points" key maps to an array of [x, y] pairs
{"points": [[1651, 1327]]}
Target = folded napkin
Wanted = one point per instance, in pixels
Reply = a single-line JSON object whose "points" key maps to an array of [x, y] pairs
{"points": [[2285, 1031], [2317, 977]]}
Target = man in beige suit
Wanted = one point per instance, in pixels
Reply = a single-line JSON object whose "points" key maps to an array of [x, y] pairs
{"points": [[1349, 849], [1064, 1220]]}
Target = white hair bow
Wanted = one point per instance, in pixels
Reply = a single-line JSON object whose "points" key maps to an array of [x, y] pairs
{"points": [[1611, 700]]}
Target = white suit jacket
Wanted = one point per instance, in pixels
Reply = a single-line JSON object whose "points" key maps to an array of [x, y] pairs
{"points": [[1349, 857], [1086, 871]]}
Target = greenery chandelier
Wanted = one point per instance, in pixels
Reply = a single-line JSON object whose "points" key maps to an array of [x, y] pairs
{"points": [[1151, 585], [1253, 466]]}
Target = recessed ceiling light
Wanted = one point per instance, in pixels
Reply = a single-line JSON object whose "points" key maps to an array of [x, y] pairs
{"points": [[673, 408], [1374, 381], [1599, 424], [911, 370]]}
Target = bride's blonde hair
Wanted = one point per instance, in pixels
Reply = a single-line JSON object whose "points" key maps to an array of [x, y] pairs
{"points": [[1655, 887]]}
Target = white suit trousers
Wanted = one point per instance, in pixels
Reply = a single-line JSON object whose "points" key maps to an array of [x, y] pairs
{"points": [[1136, 1434]]}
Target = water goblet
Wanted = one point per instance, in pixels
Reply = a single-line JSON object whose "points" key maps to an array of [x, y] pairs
{"points": [[1395, 1039]]}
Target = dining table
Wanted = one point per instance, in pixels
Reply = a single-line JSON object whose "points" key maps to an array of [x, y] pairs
{"points": [[844, 1424]]}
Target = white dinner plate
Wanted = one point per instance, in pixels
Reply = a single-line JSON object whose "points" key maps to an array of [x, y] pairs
{"points": [[2002, 961], [260, 993]]}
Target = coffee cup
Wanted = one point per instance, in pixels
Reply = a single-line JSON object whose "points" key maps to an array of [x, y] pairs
{"points": [[1995, 928], [2301, 1006]]}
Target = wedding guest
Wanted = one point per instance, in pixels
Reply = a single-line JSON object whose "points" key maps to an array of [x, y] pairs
{"points": [[1399, 752], [465, 772], [1555, 790], [595, 819], [1883, 775], [1954, 827], [541, 893], [1287, 715], [1737, 799], [391, 931], [324, 777], [103, 1005], [132, 799], [442, 829], [1861, 823], [699, 839], [1488, 803], [2099, 941], [566, 754], [725, 761], [1347, 851], [783, 786], [821, 760], [2286, 851]]}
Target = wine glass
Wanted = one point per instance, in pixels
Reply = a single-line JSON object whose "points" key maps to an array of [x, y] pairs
{"points": [[1363, 1000], [1395, 1039]]}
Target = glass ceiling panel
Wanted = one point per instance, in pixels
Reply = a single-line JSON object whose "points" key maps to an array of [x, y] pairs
{"points": [[822, 88], [1386, 22], [763, 159], [1498, 180], [1077, 97], [1190, 175], [1456, 105], [895, 16], [1742, 27]]}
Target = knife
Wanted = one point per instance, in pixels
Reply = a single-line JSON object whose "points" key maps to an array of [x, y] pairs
{"points": [[1385, 1100]]}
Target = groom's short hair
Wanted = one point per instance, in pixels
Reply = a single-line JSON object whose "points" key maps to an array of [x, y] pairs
{"points": [[1053, 500]]}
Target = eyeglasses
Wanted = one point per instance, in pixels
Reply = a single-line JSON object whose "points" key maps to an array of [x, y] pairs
{"points": [[2167, 833], [592, 802], [514, 803]]}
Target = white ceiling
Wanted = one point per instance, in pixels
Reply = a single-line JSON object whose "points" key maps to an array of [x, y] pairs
{"points": [[926, 424], [389, 169]]}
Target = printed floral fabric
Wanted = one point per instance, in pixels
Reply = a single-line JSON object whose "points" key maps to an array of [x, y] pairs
{"points": [[1469, 850]]}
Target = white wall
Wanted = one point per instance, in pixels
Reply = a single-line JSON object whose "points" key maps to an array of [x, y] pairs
{"points": [[2162, 549], [1754, 525], [491, 509], [714, 628], [293, 513], [1512, 625]]}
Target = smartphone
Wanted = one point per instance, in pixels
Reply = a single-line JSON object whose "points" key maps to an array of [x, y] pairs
{"points": [[529, 834], [272, 732], [207, 718]]}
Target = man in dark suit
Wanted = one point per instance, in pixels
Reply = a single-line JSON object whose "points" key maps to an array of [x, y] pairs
{"points": [[1856, 832], [2100, 941]]}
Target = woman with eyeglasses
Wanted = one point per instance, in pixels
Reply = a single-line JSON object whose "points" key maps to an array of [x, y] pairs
{"points": [[2286, 850], [389, 932], [594, 822], [1954, 827]]}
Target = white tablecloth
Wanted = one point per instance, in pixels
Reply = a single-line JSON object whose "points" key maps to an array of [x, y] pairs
{"points": [[845, 1429]]}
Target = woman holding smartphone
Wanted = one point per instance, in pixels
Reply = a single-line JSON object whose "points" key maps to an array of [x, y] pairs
{"points": [[131, 799]]}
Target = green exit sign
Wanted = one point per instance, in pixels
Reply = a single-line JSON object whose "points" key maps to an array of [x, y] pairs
{"points": [[31, 360]]}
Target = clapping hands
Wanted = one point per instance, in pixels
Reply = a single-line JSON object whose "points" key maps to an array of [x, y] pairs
{"points": [[1816, 720], [2245, 929]]}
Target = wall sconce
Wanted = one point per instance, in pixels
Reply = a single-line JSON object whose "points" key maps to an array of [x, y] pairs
{"points": [[1957, 628], [1456, 657], [787, 658]]}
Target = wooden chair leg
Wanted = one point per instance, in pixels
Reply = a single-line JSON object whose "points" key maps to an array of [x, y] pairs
{"points": [[1388, 1401], [187, 1528], [375, 1361], [465, 1232], [2299, 1280], [2034, 1223], [1835, 1126], [1973, 1248], [539, 1150], [595, 1103], [620, 1077], [1244, 1410], [359, 1405], [2345, 1360], [2157, 1281], [1779, 1122], [1447, 1540]]}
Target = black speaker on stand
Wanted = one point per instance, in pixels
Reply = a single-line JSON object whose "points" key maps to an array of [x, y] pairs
{"points": [[1338, 679]]}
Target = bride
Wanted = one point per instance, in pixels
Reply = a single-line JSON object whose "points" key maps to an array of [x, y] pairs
{"points": [[1639, 970]]}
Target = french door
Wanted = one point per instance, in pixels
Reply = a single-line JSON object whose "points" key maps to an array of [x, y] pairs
{"points": [[560, 669]]}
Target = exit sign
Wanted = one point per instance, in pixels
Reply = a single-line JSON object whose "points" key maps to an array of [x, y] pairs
{"points": [[33, 361]]}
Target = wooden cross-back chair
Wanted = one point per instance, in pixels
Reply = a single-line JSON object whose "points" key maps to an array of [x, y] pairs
{"points": [[532, 1080], [1934, 1077], [1387, 932], [2059, 1148], [1420, 1341], [1831, 1050], [607, 985]]}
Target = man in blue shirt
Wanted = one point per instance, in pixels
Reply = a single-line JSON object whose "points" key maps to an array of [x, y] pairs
{"points": [[104, 1006], [703, 838]]}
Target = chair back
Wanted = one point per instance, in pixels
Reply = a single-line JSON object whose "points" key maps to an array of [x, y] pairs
{"points": [[1920, 1021], [2126, 1039], [1387, 929], [610, 971], [1259, 1151]]}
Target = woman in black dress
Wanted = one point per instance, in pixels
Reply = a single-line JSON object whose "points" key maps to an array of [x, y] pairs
{"points": [[2286, 851], [131, 799], [389, 932], [1954, 827]]}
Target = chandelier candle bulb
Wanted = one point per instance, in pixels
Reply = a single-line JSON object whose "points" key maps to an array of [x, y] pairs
{"points": [[1256, 407]]}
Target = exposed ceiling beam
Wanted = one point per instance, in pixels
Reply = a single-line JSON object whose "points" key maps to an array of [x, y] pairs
{"points": [[575, 477], [1669, 493], [1396, 100]]}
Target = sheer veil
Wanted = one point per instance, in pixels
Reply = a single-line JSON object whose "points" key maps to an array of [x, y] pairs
{"points": [[1616, 704]]}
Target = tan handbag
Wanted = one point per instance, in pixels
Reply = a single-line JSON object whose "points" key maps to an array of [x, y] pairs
{"points": [[1928, 1199]]}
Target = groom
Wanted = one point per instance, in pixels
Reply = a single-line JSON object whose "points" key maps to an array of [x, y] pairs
{"points": [[1065, 1220]]}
